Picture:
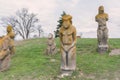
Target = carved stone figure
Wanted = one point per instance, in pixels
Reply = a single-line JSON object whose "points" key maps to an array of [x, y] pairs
{"points": [[4, 53], [11, 34], [68, 46], [102, 31], [51, 46], [6, 49]]}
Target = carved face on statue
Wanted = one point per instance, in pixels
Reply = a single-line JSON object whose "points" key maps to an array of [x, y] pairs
{"points": [[66, 21], [10, 32], [9, 28], [101, 10], [66, 24]]}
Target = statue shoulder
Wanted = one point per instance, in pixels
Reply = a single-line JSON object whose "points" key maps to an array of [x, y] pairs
{"points": [[73, 28], [61, 29], [6, 38], [97, 16], [106, 14]]}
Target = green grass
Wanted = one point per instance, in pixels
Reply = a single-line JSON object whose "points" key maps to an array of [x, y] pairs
{"points": [[31, 63]]}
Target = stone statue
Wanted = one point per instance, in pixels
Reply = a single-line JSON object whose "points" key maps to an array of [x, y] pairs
{"points": [[102, 31], [11, 34], [68, 46], [6, 49], [4, 53], [51, 46]]}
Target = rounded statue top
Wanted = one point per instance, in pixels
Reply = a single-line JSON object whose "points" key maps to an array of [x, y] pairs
{"points": [[9, 28], [101, 9], [66, 17], [10, 32], [101, 14], [50, 36]]}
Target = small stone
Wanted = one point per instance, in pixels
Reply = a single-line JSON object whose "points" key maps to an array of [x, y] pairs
{"points": [[52, 60], [115, 52]]}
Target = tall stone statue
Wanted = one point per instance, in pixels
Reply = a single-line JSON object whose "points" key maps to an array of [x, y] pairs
{"points": [[51, 46], [102, 31], [6, 49], [11, 34], [68, 46]]}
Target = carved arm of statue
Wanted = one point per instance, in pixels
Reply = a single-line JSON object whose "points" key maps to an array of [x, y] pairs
{"points": [[74, 40]]}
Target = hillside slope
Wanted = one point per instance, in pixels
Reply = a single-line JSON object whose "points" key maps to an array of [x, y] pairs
{"points": [[30, 62]]}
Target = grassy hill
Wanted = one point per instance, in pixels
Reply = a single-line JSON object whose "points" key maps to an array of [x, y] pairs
{"points": [[31, 63]]}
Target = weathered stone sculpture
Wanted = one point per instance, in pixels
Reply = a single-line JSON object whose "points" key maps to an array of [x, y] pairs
{"points": [[4, 53], [51, 46], [11, 34], [6, 49], [102, 31], [68, 46]]}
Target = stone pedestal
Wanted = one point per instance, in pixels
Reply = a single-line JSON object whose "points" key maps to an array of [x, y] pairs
{"points": [[102, 48], [65, 73]]}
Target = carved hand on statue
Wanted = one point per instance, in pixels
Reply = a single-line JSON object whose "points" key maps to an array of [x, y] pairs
{"points": [[68, 49], [63, 47], [71, 46]]}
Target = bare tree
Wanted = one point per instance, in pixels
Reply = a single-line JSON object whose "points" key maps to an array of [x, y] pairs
{"points": [[23, 22], [9, 21], [40, 30]]}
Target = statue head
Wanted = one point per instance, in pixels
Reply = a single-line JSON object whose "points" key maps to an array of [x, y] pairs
{"points": [[10, 32], [67, 21], [101, 9], [50, 36], [9, 28]]}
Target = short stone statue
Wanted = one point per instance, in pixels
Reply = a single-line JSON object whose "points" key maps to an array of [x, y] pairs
{"points": [[102, 31], [68, 46], [51, 45]]}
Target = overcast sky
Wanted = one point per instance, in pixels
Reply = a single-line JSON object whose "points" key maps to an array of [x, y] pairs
{"points": [[83, 12]]}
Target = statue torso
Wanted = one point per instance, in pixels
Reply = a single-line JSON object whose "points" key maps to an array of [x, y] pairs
{"points": [[101, 19], [50, 42], [67, 35]]}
